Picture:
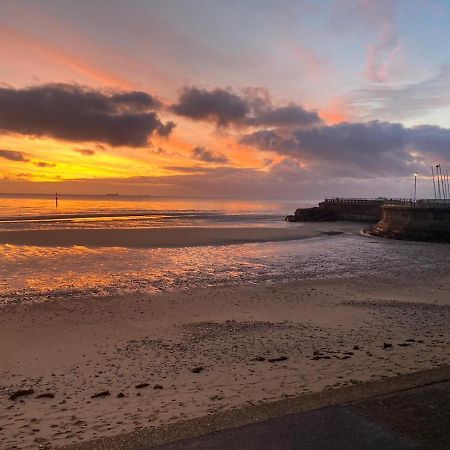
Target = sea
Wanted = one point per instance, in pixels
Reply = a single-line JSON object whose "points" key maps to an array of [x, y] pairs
{"points": [[31, 274]]}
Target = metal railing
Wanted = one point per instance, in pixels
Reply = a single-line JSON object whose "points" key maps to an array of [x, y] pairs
{"points": [[366, 200], [422, 203]]}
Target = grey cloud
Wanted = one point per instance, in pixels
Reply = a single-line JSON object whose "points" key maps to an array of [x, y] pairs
{"points": [[165, 129], [44, 164], [77, 113], [360, 149], [13, 155], [203, 154], [252, 108], [219, 105], [285, 116], [84, 151]]}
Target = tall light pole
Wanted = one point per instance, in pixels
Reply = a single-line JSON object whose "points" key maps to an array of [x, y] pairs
{"points": [[415, 187], [434, 183], [438, 182]]}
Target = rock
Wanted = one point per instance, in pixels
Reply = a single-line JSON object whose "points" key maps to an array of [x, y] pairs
{"points": [[197, 369], [356, 347], [259, 358], [101, 394], [46, 395], [386, 345], [315, 214], [280, 358], [21, 393], [404, 344], [120, 395], [141, 385], [157, 386], [216, 397], [348, 353], [410, 340]]}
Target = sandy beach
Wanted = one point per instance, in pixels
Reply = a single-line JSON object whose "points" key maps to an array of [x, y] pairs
{"points": [[158, 237], [102, 366]]}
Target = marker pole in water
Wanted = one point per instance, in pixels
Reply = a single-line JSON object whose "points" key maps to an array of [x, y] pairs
{"points": [[56, 199]]}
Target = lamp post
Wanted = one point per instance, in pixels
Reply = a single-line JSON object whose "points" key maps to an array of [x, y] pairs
{"points": [[415, 187]]}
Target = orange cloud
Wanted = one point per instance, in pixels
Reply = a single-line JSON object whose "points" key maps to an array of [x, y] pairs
{"points": [[336, 112]]}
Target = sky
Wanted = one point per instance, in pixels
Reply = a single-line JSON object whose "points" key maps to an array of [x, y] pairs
{"points": [[224, 98]]}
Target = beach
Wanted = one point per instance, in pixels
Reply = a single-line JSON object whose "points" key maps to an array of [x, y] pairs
{"points": [[156, 237], [102, 366]]}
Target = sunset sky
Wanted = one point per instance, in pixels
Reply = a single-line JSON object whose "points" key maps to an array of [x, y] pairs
{"points": [[224, 98]]}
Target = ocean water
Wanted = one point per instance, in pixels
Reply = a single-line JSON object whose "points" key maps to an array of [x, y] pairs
{"points": [[40, 211], [36, 274]]}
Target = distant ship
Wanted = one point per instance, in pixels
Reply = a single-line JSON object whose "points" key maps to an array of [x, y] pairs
{"points": [[112, 195]]}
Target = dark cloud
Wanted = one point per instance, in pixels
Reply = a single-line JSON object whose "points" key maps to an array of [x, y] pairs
{"points": [[286, 116], [13, 155], [77, 113], [252, 108], [165, 129], [44, 164], [203, 154], [218, 105], [359, 150], [190, 170], [84, 151]]}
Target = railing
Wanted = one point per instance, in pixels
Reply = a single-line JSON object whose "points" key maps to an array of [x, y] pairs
{"points": [[406, 202], [366, 200], [422, 203]]}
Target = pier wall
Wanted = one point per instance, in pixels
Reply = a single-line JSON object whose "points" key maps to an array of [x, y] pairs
{"points": [[354, 210], [415, 222]]}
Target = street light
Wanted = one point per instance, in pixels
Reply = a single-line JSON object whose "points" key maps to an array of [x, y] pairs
{"points": [[415, 187]]}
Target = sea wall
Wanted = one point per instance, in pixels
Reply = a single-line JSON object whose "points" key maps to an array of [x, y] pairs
{"points": [[358, 210], [414, 222]]}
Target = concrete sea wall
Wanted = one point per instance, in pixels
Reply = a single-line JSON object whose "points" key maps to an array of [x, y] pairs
{"points": [[354, 209], [415, 222]]}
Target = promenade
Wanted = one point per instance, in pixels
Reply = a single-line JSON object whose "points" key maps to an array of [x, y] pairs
{"points": [[404, 412]]}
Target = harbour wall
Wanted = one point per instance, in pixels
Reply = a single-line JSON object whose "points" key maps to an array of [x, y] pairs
{"points": [[421, 222], [358, 210]]}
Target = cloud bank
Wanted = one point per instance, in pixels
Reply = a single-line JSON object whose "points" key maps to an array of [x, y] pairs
{"points": [[252, 108], [76, 113], [359, 150]]}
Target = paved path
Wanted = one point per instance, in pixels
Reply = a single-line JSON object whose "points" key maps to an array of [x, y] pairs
{"points": [[413, 419], [405, 412], [332, 427]]}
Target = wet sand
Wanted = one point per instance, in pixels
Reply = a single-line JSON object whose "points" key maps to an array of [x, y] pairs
{"points": [[157, 237], [115, 365]]}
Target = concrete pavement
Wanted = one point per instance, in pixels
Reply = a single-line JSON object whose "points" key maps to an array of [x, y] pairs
{"points": [[405, 412]]}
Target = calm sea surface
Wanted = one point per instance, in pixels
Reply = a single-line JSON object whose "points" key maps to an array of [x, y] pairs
{"points": [[126, 211], [29, 274]]}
